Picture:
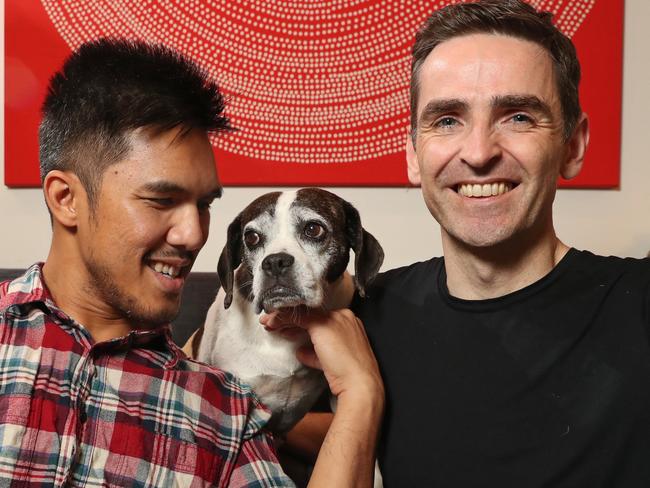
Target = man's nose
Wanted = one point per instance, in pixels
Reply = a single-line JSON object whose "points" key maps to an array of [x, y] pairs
{"points": [[189, 230], [481, 147]]}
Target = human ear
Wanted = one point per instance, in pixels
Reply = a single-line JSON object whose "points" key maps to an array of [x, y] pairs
{"points": [[63, 191], [412, 165], [576, 148]]}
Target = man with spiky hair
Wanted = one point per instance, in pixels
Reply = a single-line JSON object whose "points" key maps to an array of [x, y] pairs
{"points": [[92, 389], [514, 360]]}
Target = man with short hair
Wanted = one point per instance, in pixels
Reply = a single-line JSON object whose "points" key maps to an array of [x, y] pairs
{"points": [[92, 389], [515, 360]]}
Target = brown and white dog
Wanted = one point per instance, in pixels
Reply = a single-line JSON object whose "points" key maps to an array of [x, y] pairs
{"points": [[285, 249]]}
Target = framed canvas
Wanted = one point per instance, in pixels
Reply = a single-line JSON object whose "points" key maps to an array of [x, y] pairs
{"points": [[318, 90]]}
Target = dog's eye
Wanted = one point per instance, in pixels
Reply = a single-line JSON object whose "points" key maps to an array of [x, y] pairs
{"points": [[251, 238], [314, 230]]}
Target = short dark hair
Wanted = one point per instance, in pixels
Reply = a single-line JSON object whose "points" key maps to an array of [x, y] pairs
{"points": [[111, 87], [508, 17]]}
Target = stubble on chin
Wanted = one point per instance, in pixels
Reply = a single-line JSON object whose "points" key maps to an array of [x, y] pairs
{"points": [[103, 286]]}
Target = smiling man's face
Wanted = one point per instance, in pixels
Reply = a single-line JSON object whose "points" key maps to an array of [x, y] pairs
{"points": [[150, 221], [489, 144]]}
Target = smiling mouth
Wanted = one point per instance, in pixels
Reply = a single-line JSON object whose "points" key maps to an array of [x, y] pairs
{"points": [[168, 270], [485, 190]]}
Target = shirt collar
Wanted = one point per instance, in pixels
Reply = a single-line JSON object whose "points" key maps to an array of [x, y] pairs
{"points": [[27, 288], [30, 288]]}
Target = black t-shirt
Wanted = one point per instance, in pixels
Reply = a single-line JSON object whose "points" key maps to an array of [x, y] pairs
{"points": [[548, 386]]}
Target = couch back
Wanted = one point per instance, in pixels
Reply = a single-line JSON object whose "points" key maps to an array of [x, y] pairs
{"points": [[198, 294]]}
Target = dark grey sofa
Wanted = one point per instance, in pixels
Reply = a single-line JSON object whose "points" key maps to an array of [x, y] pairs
{"points": [[198, 294]]}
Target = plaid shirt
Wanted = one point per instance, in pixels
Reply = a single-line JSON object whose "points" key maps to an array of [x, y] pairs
{"points": [[132, 411]]}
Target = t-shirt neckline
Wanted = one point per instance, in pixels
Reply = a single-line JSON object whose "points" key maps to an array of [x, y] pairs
{"points": [[515, 296]]}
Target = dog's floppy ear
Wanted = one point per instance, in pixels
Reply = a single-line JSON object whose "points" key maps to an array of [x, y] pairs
{"points": [[368, 254], [231, 257]]}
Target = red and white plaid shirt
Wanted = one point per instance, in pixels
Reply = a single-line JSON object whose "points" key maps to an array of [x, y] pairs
{"points": [[133, 411]]}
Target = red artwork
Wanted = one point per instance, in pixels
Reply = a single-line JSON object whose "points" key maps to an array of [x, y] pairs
{"points": [[319, 90]]}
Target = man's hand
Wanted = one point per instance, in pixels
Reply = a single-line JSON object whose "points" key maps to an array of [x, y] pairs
{"points": [[340, 348]]}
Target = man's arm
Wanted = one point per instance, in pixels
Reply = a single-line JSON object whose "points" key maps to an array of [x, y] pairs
{"points": [[341, 350], [306, 437], [347, 456]]}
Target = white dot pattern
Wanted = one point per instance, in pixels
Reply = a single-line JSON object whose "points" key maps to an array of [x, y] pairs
{"points": [[306, 81]]}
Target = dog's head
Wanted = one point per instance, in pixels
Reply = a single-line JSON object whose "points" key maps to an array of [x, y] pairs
{"points": [[291, 245]]}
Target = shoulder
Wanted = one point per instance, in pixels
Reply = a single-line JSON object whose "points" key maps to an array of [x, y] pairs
{"points": [[222, 394], [212, 377], [4, 286], [23, 289], [623, 283], [411, 275], [596, 266], [399, 287]]}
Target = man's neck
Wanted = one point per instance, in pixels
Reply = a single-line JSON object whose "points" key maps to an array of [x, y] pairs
{"points": [[479, 274], [68, 285]]}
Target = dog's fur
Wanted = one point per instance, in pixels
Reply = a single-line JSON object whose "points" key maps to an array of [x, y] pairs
{"points": [[283, 250]]}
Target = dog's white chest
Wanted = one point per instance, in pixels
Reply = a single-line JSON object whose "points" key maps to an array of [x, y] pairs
{"points": [[234, 341]]}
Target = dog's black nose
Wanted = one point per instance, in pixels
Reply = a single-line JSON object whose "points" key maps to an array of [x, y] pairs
{"points": [[276, 264]]}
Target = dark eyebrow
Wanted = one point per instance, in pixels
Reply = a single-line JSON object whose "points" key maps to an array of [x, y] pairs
{"points": [[162, 186], [521, 102], [435, 108]]}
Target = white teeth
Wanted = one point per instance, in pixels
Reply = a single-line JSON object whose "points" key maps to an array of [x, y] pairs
{"points": [[166, 269], [486, 190]]}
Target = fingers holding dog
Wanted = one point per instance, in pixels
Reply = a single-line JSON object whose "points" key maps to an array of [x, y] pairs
{"points": [[340, 347]]}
